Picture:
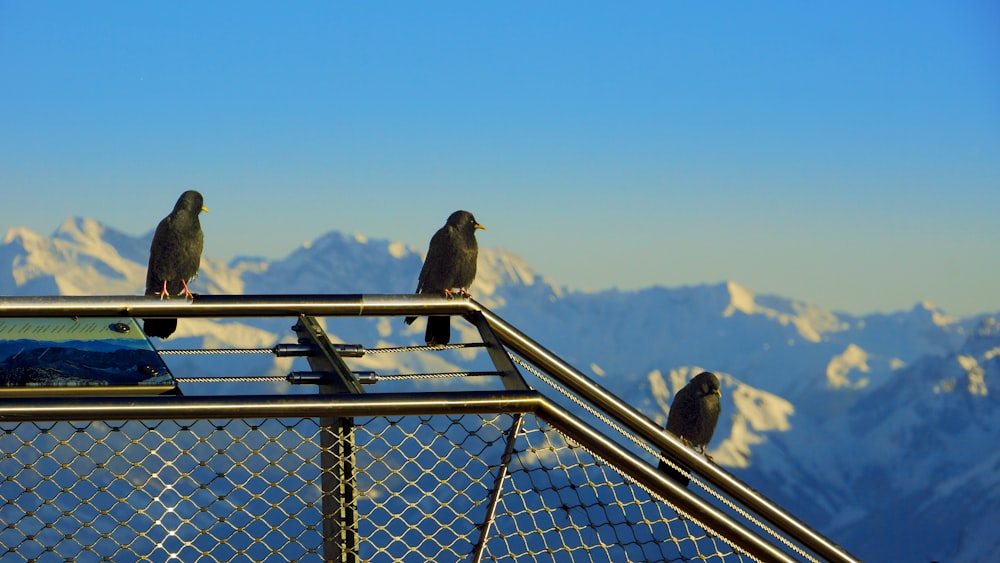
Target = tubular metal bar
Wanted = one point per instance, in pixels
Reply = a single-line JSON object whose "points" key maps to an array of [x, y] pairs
{"points": [[511, 378], [502, 472], [707, 515], [362, 377], [323, 377], [283, 350], [383, 305], [266, 406], [387, 404], [645, 428], [326, 359], [236, 306]]}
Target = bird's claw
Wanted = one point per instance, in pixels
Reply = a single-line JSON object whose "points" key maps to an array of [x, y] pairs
{"points": [[462, 292], [185, 291], [164, 293]]}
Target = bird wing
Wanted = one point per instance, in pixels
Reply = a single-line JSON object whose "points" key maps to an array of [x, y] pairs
{"points": [[175, 253], [160, 251], [693, 416], [683, 416], [435, 275]]}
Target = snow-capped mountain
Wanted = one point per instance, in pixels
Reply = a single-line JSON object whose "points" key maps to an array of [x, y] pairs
{"points": [[880, 430]]}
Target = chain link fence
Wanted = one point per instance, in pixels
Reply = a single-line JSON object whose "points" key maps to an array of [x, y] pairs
{"points": [[492, 487], [474, 466]]}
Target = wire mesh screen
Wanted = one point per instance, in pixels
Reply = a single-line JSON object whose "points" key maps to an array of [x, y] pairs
{"points": [[411, 488], [560, 503]]}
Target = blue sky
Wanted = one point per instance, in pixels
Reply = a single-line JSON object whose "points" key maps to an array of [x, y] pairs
{"points": [[845, 154]]}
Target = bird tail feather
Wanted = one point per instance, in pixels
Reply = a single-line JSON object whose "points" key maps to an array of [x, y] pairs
{"points": [[674, 474], [160, 328], [438, 331]]}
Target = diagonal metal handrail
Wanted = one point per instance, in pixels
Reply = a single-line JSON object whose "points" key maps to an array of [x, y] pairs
{"points": [[390, 404], [403, 305], [645, 428]]}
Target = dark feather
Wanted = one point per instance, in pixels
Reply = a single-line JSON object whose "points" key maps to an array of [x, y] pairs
{"points": [[450, 264], [174, 256], [693, 416]]}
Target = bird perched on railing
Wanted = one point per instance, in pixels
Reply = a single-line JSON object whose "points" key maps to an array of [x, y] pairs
{"points": [[693, 416], [450, 264], [174, 257]]}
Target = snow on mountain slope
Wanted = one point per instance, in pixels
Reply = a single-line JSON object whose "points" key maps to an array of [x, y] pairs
{"points": [[75, 261], [339, 263], [911, 451], [752, 413], [810, 322], [871, 428], [838, 371]]}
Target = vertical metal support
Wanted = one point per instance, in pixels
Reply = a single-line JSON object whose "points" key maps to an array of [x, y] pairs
{"points": [[340, 525], [502, 472], [511, 378]]}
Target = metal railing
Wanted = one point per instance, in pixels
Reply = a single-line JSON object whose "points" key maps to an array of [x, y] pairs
{"points": [[350, 475]]}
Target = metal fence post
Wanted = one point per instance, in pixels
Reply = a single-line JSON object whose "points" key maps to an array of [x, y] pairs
{"points": [[340, 540]]}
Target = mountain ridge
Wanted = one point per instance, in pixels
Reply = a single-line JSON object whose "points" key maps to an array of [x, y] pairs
{"points": [[847, 420]]}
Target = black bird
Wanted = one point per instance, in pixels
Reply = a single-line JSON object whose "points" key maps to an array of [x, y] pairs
{"points": [[450, 264], [693, 416], [174, 257]]}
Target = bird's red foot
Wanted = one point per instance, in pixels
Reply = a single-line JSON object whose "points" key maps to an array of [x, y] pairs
{"points": [[163, 294], [704, 453], [464, 292], [448, 293], [185, 292]]}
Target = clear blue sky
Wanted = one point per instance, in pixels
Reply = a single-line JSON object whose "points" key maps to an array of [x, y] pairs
{"points": [[844, 153]]}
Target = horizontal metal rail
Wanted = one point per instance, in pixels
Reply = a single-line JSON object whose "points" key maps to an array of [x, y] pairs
{"points": [[401, 305], [266, 406], [639, 423], [235, 306], [689, 503], [390, 404]]}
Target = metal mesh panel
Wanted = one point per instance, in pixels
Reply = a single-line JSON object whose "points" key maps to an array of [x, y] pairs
{"points": [[561, 501], [218, 490], [160, 490], [423, 484]]}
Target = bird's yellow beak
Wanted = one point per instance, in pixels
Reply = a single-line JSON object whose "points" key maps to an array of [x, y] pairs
{"points": [[718, 392], [478, 226], [205, 209]]}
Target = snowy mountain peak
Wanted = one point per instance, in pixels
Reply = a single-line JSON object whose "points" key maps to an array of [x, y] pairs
{"points": [[498, 267], [751, 413], [77, 260], [810, 322], [741, 300], [820, 410], [936, 315], [80, 229], [22, 236]]}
